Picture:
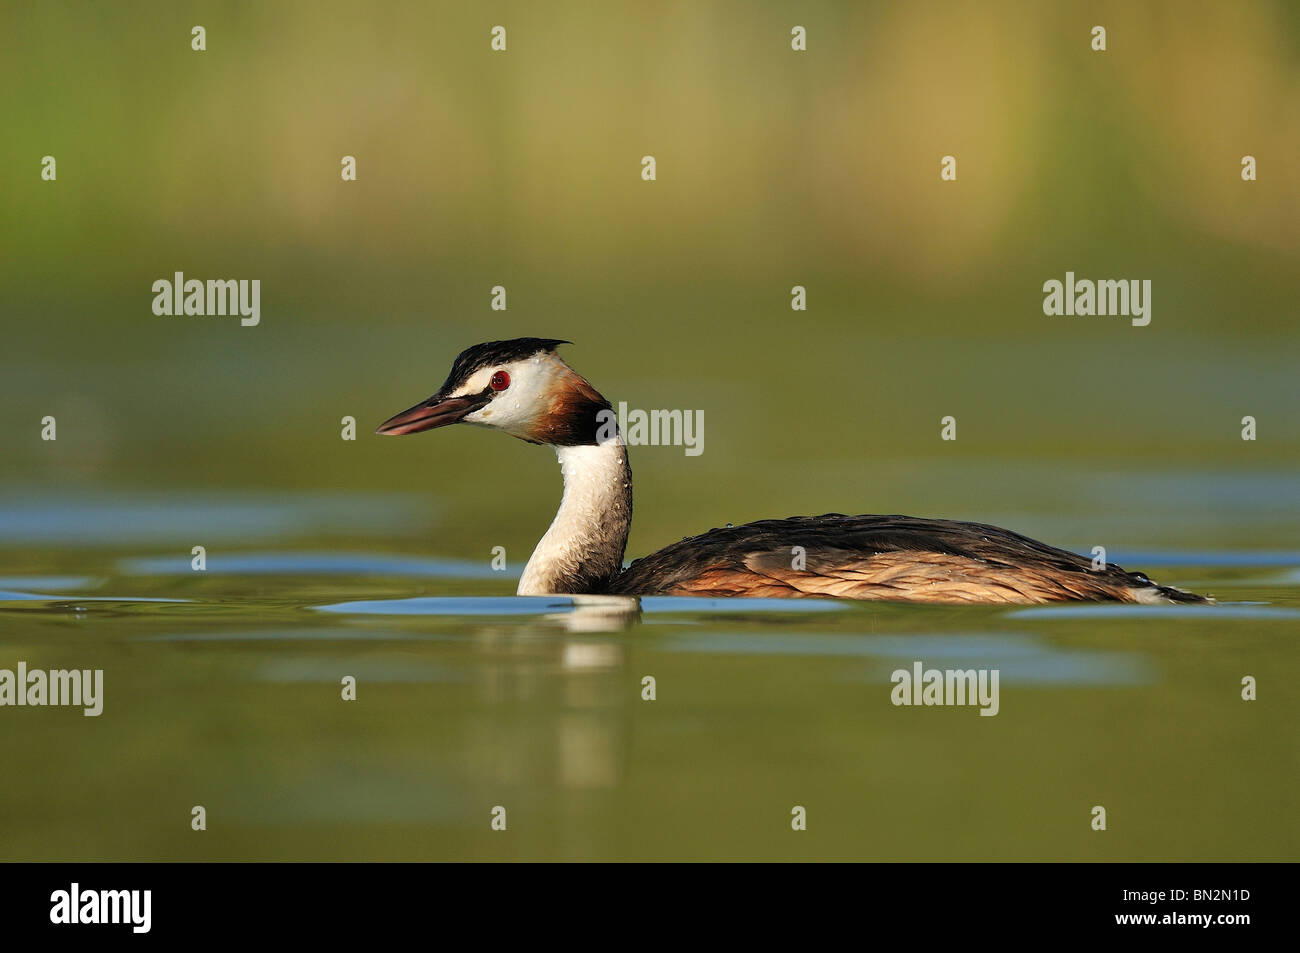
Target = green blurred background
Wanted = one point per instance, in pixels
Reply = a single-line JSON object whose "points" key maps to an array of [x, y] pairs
{"points": [[775, 168], [522, 169]]}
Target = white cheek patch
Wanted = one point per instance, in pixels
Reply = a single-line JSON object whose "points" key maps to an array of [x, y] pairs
{"points": [[517, 408], [477, 383]]}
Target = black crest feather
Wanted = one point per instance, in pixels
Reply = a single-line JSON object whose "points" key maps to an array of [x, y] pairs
{"points": [[491, 353]]}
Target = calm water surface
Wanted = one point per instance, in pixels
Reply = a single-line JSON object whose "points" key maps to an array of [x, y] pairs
{"points": [[222, 689], [330, 557]]}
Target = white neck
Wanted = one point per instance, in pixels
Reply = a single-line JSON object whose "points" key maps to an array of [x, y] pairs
{"points": [[583, 549]]}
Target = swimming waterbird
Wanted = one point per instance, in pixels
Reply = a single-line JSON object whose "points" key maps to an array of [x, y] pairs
{"points": [[524, 388]]}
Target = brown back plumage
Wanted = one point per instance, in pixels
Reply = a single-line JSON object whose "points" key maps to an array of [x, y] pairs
{"points": [[899, 558]]}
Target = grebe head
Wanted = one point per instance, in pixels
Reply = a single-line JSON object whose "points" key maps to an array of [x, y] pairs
{"points": [[519, 386]]}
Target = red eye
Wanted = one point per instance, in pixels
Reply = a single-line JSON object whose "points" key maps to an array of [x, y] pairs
{"points": [[500, 380]]}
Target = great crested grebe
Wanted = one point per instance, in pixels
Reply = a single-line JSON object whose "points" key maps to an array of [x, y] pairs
{"points": [[524, 388]]}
